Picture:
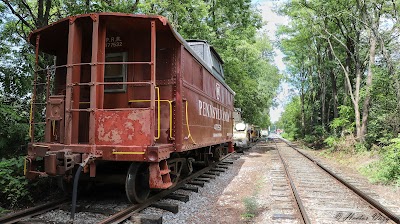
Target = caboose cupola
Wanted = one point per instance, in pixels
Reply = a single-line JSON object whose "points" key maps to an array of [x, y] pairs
{"points": [[207, 53]]}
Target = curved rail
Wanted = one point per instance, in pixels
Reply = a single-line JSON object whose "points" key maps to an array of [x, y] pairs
{"points": [[364, 196], [126, 213]]}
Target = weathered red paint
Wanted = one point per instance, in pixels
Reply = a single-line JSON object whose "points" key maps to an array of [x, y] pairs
{"points": [[230, 147], [194, 91], [72, 76], [123, 125], [126, 127], [55, 116], [159, 175]]}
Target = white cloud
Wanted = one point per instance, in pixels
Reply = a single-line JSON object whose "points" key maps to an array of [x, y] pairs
{"points": [[272, 20], [270, 17], [278, 60]]}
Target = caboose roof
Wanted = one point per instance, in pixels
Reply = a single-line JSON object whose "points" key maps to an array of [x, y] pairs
{"points": [[51, 35], [211, 47]]}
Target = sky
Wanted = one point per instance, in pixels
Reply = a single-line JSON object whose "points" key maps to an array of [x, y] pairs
{"points": [[272, 20]]}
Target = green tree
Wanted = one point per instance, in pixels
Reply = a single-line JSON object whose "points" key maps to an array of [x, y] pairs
{"points": [[230, 26], [290, 119], [332, 50]]}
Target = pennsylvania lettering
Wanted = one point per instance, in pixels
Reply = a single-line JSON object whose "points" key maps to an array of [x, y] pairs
{"points": [[208, 110]]}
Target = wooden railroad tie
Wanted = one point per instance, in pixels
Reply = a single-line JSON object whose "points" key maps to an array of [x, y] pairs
{"points": [[222, 167], [179, 197], [146, 218], [208, 176], [174, 208], [202, 179], [218, 170], [198, 183], [212, 173], [189, 188]]}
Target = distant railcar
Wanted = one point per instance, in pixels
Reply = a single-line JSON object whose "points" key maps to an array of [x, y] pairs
{"points": [[264, 133], [127, 98], [240, 137], [255, 133]]}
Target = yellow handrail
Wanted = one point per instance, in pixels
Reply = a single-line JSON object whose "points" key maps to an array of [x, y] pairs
{"points": [[128, 153], [187, 123], [25, 166], [170, 112], [170, 118]]}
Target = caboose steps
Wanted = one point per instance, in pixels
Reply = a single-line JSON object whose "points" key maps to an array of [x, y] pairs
{"points": [[159, 175]]}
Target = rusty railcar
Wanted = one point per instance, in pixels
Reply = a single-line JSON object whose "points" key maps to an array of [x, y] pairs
{"points": [[129, 91]]}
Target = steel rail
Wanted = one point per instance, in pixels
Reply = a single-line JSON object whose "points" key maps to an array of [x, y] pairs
{"points": [[126, 213], [18, 216], [391, 215], [304, 217]]}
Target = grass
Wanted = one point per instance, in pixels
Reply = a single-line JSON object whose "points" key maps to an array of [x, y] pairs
{"points": [[251, 206], [250, 203], [379, 164], [386, 170]]}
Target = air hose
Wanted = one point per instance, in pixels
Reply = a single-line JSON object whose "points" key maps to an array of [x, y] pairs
{"points": [[75, 191]]}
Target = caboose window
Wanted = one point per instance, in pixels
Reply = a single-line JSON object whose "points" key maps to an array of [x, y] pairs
{"points": [[115, 72], [216, 65], [199, 49]]}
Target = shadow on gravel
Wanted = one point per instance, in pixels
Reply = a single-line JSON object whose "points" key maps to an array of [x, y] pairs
{"points": [[257, 149], [226, 206], [106, 199]]}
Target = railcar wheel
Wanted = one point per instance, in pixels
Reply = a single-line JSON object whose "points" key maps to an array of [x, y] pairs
{"points": [[187, 167], [218, 153], [137, 182]]}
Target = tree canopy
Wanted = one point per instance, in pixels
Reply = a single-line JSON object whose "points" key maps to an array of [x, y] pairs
{"points": [[339, 56], [230, 26]]}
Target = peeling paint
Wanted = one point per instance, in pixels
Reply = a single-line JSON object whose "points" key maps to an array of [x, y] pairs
{"points": [[130, 126], [137, 117], [115, 137], [123, 127]]}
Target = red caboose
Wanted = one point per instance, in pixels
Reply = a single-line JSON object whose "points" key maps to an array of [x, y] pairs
{"points": [[126, 93]]}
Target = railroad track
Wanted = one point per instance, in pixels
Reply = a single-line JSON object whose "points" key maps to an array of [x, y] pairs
{"points": [[284, 206], [321, 196], [198, 178], [15, 217], [192, 179]]}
